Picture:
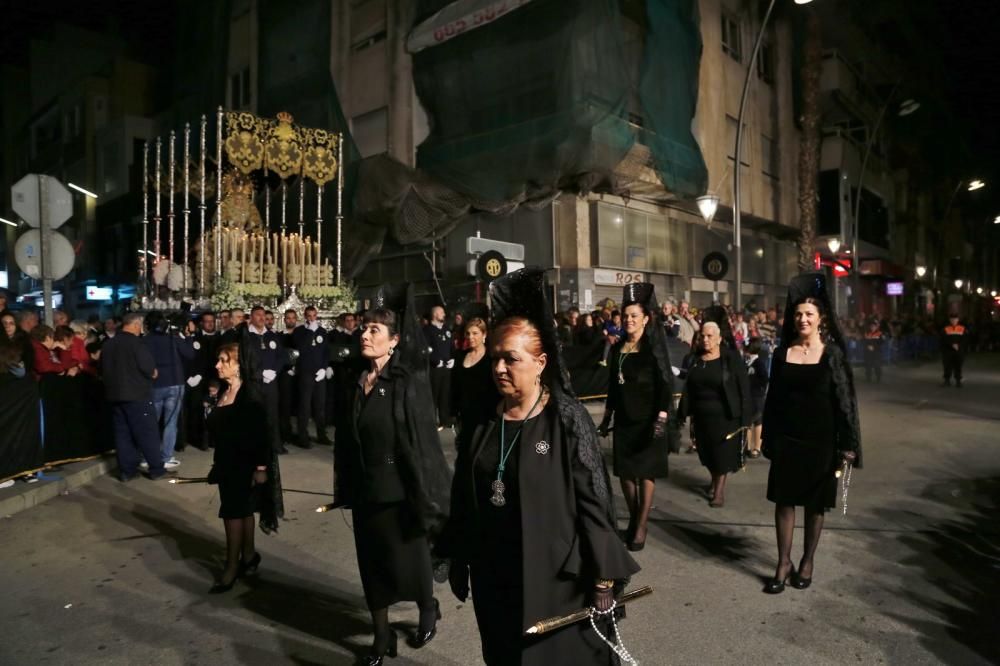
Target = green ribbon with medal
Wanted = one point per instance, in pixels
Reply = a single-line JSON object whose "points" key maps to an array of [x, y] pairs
{"points": [[498, 486]]}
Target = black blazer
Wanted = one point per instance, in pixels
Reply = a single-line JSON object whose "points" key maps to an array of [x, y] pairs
{"points": [[736, 387]]}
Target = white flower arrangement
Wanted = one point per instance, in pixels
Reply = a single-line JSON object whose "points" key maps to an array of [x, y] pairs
{"points": [[335, 298]]}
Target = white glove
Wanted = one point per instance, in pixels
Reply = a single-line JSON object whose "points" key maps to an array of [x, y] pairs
{"points": [[440, 364], [329, 372], [291, 372], [269, 376], [450, 363], [675, 370], [320, 375], [194, 381]]}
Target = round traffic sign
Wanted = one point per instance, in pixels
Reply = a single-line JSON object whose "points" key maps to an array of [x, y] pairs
{"points": [[28, 254], [490, 265], [714, 266]]}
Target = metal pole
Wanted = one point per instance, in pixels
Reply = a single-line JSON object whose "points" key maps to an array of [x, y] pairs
{"points": [[218, 194], [187, 208], [156, 191], [856, 222], [201, 209], [737, 230], [340, 198], [143, 262], [320, 275], [172, 160], [46, 249]]}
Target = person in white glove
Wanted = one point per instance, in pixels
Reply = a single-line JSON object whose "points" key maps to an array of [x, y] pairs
{"points": [[439, 342], [270, 354], [311, 341]]}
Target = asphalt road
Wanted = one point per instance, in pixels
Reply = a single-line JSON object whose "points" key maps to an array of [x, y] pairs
{"points": [[117, 574]]}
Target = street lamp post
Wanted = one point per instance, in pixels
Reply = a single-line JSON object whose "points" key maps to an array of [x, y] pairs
{"points": [[737, 231]]}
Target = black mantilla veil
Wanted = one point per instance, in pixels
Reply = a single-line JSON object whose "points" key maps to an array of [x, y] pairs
{"points": [[269, 502], [811, 285], [523, 294], [643, 293], [424, 469], [720, 316]]}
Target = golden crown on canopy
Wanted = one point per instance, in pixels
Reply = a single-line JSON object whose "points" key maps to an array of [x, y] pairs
{"points": [[281, 147]]}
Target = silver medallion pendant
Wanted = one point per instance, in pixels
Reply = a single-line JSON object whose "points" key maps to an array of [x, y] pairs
{"points": [[498, 498], [621, 378], [542, 447]]}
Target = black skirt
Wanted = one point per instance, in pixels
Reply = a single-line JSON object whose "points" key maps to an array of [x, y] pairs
{"points": [[394, 566]]}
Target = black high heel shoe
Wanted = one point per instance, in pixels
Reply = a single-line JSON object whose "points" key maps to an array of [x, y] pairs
{"points": [[250, 568], [798, 582], [422, 638], [374, 659], [219, 587], [775, 586]]}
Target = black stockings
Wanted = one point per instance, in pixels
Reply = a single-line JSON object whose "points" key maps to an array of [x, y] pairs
{"points": [[639, 500], [784, 523], [380, 620], [718, 492], [239, 545]]}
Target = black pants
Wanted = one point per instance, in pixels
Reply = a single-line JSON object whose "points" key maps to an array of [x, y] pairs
{"points": [[193, 417], [286, 398], [271, 401], [952, 361], [873, 365], [441, 391], [312, 401]]}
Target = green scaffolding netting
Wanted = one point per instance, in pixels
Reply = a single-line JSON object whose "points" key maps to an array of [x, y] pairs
{"points": [[545, 98]]}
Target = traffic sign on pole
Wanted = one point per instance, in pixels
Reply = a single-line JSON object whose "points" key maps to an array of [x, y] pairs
{"points": [[25, 199]]}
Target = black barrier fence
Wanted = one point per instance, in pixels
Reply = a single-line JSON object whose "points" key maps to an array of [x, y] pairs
{"points": [[56, 420]]}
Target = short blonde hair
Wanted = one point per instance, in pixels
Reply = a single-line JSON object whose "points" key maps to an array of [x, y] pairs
{"points": [[79, 327], [478, 323]]}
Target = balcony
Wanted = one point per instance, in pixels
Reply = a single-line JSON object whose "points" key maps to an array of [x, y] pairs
{"points": [[847, 97]]}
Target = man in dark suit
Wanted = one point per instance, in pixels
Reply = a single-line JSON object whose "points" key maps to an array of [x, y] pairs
{"points": [[439, 342], [270, 355], [201, 370], [286, 379], [310, 340]]}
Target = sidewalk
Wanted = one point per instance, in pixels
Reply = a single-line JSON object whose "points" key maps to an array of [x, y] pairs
{"points": [[52, 483]]}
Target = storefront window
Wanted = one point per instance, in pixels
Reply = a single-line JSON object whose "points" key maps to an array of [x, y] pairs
{"points": [[635, 240]]}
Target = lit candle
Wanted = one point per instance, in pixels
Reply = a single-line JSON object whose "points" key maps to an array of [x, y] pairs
{"points": [[262, 242], [243, 261]]}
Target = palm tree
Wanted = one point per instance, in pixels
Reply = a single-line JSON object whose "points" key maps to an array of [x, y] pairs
{"points": [[809, 142]]}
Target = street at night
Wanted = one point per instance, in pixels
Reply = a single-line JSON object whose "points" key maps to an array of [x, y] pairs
{"points": [[502, 332], [117, 574]]}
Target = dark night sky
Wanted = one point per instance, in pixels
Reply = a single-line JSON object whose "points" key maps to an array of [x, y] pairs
{"points": [[958, 37]]}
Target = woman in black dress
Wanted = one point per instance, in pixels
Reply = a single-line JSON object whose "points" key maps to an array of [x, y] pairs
{"points": [[392, 472], [717, 399], [473, 394], [640, 398], [758, 365], [242, 466], [810, 424], [532, 523]]}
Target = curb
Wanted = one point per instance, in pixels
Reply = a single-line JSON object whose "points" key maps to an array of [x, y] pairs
{"points": [[74, 475]]}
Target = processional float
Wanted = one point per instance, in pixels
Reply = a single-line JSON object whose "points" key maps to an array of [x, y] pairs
{"points": [[237, 259]]}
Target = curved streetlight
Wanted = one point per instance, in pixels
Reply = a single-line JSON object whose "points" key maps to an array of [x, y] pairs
{"points": [[834, 245], [958, 284], [737, 231], [921, 271], [979, 291], [976, 185]]}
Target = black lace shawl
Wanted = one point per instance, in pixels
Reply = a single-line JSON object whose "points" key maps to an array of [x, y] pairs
{"points": [[271, 505]]}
